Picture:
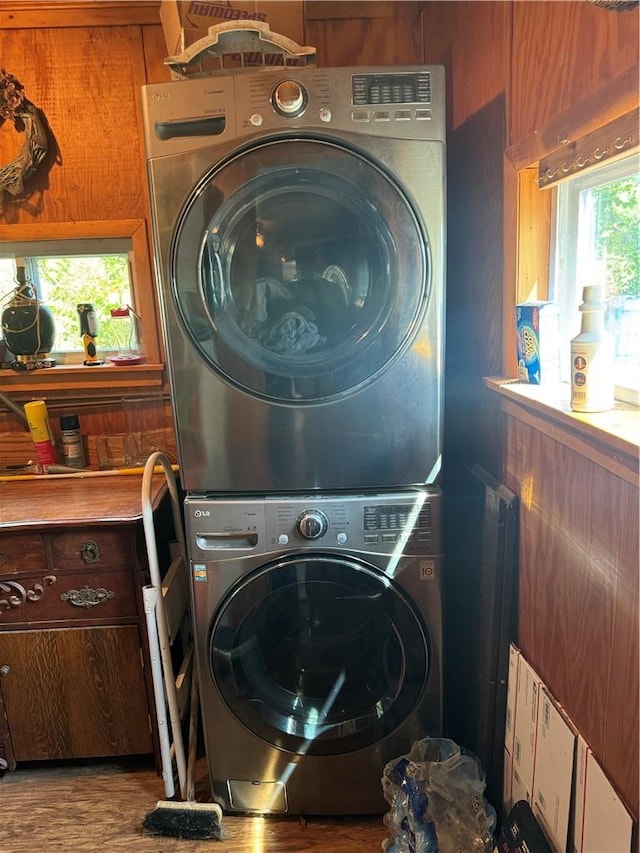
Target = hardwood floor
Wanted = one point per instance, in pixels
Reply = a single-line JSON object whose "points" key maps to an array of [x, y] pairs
{"points": [[87, 807]]}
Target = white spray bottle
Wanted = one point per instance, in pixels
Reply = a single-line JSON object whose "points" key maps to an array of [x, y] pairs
{"points": [[592, 355]]}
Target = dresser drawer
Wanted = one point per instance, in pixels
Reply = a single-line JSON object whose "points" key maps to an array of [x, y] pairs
{"points": [[93, 547], [48, 598], [21, 552]]}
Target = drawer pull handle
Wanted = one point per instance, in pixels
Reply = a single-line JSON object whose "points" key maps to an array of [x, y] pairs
{"points": [[5, 669], [90, 552], [17, 595], [87, 597]]}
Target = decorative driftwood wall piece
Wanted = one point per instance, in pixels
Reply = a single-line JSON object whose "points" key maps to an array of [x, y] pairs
{"points": [[27, 118]]}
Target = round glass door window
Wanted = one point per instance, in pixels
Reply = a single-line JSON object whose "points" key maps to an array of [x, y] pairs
{"points": [[300, 270], [319, 655]]}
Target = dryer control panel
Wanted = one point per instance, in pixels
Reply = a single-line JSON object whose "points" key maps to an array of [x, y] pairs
{"points": [[392, 88], [403, 102]]}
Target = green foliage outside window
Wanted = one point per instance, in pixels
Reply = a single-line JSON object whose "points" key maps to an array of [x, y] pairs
{"points": [[67, 281], [618, 234]]}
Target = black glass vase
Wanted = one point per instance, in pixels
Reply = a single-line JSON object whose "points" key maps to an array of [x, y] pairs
{"points": [[27, 324]]}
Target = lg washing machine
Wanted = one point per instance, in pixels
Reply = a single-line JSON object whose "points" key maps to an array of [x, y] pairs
{"points": [[318, 643], [299, 228]]}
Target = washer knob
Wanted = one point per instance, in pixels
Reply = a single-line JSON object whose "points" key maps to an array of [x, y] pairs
{"points": [[289, 98], [312, 524]]}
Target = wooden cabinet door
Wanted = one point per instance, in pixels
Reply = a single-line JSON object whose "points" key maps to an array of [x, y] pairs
{"points": [[7, 758], [75, 692]]}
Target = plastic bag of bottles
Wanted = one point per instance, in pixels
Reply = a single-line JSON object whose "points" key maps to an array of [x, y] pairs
{"points": [[436, 795]]}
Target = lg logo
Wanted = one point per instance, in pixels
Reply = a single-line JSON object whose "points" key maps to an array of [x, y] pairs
{"points": [[201, 513], [160, 96]]}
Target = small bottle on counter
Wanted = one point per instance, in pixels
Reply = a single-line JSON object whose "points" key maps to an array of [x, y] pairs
{"points": [[592, 357], [72, 448], [41, 432]]}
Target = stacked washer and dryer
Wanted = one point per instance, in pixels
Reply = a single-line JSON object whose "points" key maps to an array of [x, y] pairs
{"points": [[298, 219]]}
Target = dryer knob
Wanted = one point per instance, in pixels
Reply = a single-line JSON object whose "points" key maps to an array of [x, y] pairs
{"points": [[312, 524], [289, 98]]}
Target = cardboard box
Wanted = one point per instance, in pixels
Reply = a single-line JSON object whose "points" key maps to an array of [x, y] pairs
{"points": [[187, 21], [553, 771], [519, 789], [507, 784], [512, 687], [577, 795], [525, 731], [538, 342], [601, 822]]}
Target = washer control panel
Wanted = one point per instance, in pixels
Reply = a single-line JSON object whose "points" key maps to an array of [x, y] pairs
{"points": [[407, 522]]}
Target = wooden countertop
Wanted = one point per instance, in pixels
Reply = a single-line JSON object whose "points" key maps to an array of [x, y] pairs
{"points": [[56, 501]]}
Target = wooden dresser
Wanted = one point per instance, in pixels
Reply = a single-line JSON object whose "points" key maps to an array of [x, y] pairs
{"points": [[75, 679]]}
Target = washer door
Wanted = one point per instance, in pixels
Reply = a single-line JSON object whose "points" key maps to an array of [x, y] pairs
{"points": [[319, 654], [299, 269]]}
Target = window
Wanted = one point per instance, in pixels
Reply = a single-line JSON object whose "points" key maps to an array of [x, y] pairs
{"points": [[597, 241], [68, 273]]}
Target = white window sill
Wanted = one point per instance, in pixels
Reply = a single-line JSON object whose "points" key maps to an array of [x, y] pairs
{"points": [[611, 439]]}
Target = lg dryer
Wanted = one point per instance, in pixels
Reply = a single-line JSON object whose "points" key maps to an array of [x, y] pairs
{"points": [[298, 221]]}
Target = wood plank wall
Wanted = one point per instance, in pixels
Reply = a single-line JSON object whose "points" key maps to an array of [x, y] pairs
{"points": [[511, 69], [83, 65], [578, 590]]}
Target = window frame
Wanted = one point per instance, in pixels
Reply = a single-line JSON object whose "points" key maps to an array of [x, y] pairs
{"points": [[526, 234], [78, 376], [566, 218], [69, 249]]}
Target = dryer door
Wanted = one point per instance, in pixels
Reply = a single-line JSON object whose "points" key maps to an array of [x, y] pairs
{"points": [[319, 654], [300, 270]]}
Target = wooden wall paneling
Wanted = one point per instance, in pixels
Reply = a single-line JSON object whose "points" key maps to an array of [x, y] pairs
{"points": [[606, 144], [621, 720], [474, 287], [25, 14], [472, 420], [331, 9], [563, 53], [579, 507], [606, 104], [360, 41], [101, 416], [578, 591], [533, 238], [87, 83], [144, 289], [510, 272], [471, 40], [155, 52]]}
